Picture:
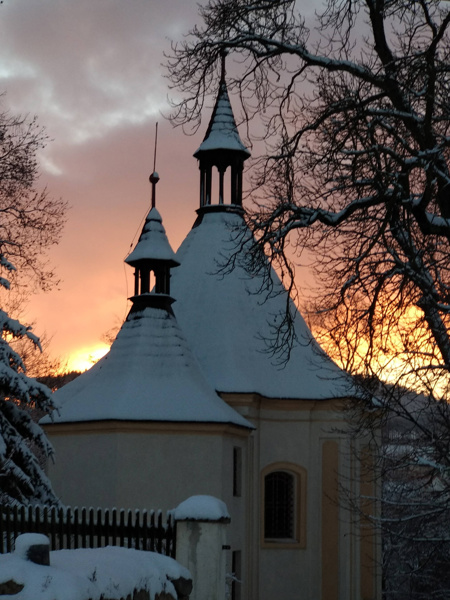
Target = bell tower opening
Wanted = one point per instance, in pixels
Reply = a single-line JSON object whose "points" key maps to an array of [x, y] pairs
{"points": [[152, 259]]}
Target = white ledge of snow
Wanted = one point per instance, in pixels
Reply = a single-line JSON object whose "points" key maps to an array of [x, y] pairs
{"points": [[201, 508], [99, 573]]}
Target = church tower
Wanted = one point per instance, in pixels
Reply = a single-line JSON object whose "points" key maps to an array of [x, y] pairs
{"points": [[189, 400], [152, 259], [143, 428], [223, 150], [298, 541]]}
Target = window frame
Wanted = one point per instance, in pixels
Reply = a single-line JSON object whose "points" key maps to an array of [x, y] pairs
{"points": [[299, 506], [237, 471]]}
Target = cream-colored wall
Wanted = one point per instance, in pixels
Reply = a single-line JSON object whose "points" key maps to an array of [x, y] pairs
{"points": [[151, 466], [139, 468], [84, 470], [295, 432], [140, 465], [284, 437]]}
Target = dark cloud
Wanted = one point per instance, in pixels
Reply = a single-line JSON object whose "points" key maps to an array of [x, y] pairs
{"points": [[88, 66]]}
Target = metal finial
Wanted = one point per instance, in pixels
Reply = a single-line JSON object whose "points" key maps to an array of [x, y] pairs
{"points": [[223, 55], [156, 146], [154, 177]]}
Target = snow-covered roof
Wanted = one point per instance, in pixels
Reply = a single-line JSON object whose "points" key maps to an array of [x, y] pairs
{"points": [[149, 374], [153, 243], [227, 322], [222, 133]]}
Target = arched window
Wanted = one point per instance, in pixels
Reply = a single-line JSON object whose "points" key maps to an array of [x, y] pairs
{"points": [[283, 505], [279, 505]]}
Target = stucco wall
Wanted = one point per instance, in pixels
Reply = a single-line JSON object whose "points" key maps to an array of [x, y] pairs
{"points": [[292, 434], [139, 467], [159, 466]]}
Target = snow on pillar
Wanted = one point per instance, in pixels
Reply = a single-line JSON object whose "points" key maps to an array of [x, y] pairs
{"points": [[202, 523]]}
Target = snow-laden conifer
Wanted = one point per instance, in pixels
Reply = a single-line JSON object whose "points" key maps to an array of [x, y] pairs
{"points": [[22, 441], [31, 222]]}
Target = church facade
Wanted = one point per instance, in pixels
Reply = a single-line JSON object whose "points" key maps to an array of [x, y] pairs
{"points": [[190, 401]]}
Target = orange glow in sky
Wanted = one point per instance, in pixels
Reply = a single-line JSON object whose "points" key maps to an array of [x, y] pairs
{"points": [[91, 72], [84, 358]]}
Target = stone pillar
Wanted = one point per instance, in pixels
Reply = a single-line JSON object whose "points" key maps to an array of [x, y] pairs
{"points": [[202, 523]]}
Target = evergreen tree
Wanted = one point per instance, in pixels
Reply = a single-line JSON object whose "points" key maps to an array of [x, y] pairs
{"points": [[30, 222], [22, 440]]}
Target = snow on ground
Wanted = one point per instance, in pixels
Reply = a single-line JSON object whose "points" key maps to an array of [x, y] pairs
{"points": [[84, 574]]}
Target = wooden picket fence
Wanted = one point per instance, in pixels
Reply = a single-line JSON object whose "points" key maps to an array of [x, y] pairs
{"points": [[70, 528]]}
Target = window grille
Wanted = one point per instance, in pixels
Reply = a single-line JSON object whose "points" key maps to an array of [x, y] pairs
{"points": [[279, 505]]}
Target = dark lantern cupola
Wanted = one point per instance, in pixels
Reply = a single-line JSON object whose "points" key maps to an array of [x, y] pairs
{"points": [[221, 148], [152, 259]]}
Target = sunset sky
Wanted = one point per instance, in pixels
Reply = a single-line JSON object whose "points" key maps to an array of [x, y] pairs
{"points": [[91, 71]]}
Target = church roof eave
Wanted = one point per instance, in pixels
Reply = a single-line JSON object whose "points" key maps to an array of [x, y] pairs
{"points": [[149, 374]]}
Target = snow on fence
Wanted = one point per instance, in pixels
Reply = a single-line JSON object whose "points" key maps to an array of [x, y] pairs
{"points": [[70, 528]]}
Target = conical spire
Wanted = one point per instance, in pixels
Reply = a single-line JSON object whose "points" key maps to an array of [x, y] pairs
{"points": [[222, 147], [153, 243], [222, 133]]}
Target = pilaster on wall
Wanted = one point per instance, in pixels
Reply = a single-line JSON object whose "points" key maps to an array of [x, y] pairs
{"points": [[330, 520], [361, 579], [367, 533]]}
